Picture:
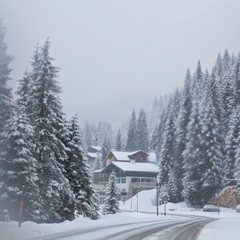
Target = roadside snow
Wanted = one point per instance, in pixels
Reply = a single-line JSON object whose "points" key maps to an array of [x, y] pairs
{"points": [[225, 228], [29, 230]]}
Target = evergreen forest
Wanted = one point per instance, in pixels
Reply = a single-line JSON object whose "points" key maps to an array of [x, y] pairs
{"points": [[195, 133]]}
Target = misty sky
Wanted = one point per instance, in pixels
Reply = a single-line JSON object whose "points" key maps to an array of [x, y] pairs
{"points": [[118, 54]]}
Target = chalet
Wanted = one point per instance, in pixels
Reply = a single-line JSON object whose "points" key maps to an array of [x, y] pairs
{"points": [[135, 171], [93, 153]]}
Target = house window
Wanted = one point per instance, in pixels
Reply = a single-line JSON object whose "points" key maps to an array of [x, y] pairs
{"points": [[133, 180], [121, 180]]}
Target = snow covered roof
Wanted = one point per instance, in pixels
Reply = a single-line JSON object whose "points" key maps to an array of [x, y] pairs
{"points": [[124, 156], [98, 148], [93, 155], [152, 157], [137, 167]]}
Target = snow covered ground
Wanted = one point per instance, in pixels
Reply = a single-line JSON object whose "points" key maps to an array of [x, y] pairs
{"points": [[225, 228]]}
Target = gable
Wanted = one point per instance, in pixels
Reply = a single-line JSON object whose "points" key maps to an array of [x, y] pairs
{"points": [[139, 156]]}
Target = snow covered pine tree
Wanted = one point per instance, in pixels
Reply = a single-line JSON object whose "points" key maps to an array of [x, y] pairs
{"points": [[111, 204]]}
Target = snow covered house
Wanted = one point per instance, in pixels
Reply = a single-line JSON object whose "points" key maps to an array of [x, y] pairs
{"points": [[135, 171], [92, 153]]}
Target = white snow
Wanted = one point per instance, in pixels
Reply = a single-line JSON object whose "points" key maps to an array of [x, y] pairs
{"points": [[124, 156], [93, 155], [137, 167], [225, 228]]}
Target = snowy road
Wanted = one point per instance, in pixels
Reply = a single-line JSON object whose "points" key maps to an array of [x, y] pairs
{"points": [[180, 229], [184, 231]]}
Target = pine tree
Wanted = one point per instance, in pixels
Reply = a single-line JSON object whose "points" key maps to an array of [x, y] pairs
{"points": [[132, 144], [19, 171], [192, 181], [227, 89], [23, 91], [231, 146], [237, 163], [118, 141], [104, 131], [167, 152], [45, 111], [212, 144], [236, 81], [164, 193], [142, 132], [181, 127], [198, 80], [6, 105], [106, 148], [78, 174], [159, 104], [98, 162], [157, 136], [88, 134], [174, 193], [111, 204], [218, 92]]}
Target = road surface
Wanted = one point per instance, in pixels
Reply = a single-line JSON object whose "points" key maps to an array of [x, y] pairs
{"points": [[177, 229]]}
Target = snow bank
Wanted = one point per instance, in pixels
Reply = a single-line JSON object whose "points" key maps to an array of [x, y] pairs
{"points": [[29, 230], [225, 228]]}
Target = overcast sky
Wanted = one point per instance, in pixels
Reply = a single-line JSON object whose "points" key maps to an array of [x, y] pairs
{"points": [[118, 54]]}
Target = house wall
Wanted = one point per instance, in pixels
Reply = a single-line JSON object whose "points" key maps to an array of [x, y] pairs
{"points": [[132, 184]]}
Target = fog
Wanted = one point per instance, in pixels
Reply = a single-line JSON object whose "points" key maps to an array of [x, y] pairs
{"points": [[116, 55]]}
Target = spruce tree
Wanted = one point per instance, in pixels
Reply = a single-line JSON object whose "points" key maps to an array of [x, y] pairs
{"points": [[118, 141], [142, 132], [174, 193], [157, 136], [198, 80], [227, 89], [231, 146], [45, 111], [87, 132], [24, 85], [236, 81], [164, 193], [6, 105], [192, 181], [111, 204], [237, 164], [167, 158], [132, 144], [78, 174], [211, 143], [19, 171], [99, 164], [106, 149], [181, 127]]}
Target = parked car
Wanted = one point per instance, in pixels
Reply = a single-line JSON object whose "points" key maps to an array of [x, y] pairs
{"points": [[211, 208], [238, 208]]}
